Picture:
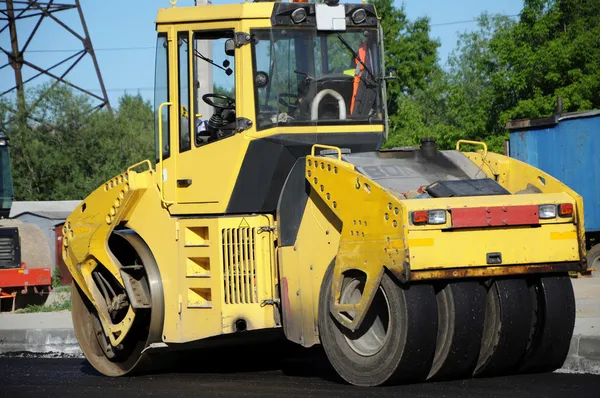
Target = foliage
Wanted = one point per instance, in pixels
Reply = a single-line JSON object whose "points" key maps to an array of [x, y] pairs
{"points": [[69, 151], [62, 306], [411, 57], [505, 69], [509, 70]]}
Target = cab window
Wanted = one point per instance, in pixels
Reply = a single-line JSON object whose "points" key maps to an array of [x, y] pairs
{"points": [[214, 86], [184, 92], [161, 95]]}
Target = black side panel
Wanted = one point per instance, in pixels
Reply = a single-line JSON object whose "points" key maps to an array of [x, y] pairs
{"points": [[268, 162], [481, 187], [292, 203]]}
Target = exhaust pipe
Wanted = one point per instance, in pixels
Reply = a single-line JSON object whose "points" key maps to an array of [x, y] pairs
{"points": [[428, 147], [241, 325]]}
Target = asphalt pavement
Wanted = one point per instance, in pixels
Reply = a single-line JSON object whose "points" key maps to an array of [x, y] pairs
{"points": [[29, 377]]}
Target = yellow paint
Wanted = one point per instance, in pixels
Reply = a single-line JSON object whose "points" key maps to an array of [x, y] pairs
{"points": [[372, 235], [563, 235], [463, 248], [515, 176], [420, 242], [303, 266]]}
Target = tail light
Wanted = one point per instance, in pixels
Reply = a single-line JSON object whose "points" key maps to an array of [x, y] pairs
{"points": [[432, 217], [565, 210], [552, 211]]}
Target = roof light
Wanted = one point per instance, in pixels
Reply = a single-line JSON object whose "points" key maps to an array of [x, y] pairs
{"points": [[359, 16], [298, 15]]}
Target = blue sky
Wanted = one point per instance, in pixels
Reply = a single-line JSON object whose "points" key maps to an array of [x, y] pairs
{"points": [[130, 24]]}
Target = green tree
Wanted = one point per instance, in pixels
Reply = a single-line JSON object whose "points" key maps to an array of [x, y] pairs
{"points": [[69, 151], [517, 69], [410, 56]]}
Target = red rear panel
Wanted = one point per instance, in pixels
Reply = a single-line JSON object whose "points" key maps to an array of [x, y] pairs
{"points": [[494, 216]]}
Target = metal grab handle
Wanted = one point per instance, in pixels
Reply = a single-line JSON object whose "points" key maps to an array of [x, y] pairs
{"points": [[133, 166], [335, 148], [482, 144], [160, 153], [314, 109]]}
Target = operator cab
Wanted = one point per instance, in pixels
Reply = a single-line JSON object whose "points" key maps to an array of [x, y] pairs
{"points": [[252, 87]]}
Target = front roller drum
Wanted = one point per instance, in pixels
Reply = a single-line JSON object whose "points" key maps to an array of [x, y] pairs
{"points": [[110, 361], [396, 340], [128, 357]]}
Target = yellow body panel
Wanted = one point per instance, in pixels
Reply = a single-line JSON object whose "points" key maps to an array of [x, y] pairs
{"points": [[215, 13], [516, 176], [372, 234], [302, 268], [439, 249], [191, 255]]}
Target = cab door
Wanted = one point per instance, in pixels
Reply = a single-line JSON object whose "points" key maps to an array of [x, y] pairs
{"points": [[203, 161]]}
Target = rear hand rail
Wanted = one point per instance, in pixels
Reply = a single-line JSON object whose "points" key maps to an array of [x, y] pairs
{"points": [[335, 148], [482, 144], [160, 154]]}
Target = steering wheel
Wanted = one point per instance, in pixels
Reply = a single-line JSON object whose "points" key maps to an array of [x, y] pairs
{"points": [[230, 102]]}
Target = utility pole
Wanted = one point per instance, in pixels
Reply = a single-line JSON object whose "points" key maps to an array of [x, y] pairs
{"points": [[13, 12], [15, 59], [203, 78]]}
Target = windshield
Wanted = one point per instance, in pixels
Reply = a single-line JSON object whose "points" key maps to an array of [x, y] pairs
{"points": [[305, 77]]}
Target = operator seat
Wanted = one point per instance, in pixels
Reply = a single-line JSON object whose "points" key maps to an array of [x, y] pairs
{"points": [[328, 107]]}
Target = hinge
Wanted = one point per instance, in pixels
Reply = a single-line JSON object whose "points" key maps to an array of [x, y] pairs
{"points": [[180, 303], [243, 38], [176, 230]]}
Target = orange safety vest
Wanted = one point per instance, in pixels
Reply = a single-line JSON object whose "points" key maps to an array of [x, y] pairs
{"points": [[362, 53]]}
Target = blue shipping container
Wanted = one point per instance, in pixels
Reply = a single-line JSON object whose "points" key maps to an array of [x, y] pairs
{"points": [[568, 148]]}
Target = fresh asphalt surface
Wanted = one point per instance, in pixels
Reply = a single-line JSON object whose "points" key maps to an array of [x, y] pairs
{"points": [[238, 373]]}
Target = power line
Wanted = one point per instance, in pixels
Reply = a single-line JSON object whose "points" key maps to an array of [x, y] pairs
{"points": [[96, 50], [152, 47], [467, 21]]}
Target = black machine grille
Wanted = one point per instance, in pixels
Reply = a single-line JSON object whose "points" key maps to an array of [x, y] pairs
{"points": [[10, 251]]}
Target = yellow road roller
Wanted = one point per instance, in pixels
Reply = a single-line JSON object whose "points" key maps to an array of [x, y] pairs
{"points": [[271, 206]]}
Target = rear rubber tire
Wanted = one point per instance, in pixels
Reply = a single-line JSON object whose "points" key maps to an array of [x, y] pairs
{"points": [[407, 350], [506, 329], [461, 312], [553, 323], [593, 259]]}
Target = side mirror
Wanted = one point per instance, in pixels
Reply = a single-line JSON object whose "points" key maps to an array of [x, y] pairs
{"points": [[230, 47]]}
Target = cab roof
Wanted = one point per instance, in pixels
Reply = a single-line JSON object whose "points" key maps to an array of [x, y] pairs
{"points": [[211, 12]]}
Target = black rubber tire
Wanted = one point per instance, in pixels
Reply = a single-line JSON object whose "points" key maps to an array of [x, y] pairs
{"points": [[506, 327], [553, 324], [593, 259], [461, 312], [405, 358]]}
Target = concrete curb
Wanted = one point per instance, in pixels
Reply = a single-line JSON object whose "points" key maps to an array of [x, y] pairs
{"points": [[584, 355], [40, 341]]}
